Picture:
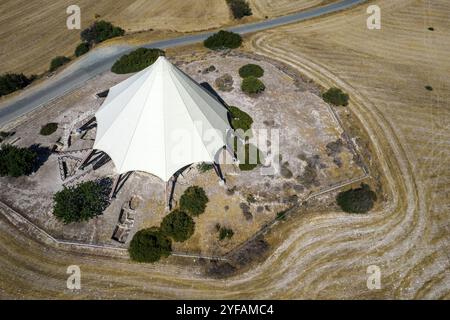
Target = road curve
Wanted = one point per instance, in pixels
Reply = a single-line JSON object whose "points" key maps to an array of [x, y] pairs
{"points": [[100, 61]]}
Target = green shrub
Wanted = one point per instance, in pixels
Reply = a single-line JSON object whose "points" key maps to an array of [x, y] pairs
{"points": [[225, 233], [360, 200], [149, 245], [11, 82], [204, 167], [81, 202], [58, 62], [48, 129], [100, 31], [252, 85], [251, 70], [193, 201], [137, 60], [178, 225], [16, 161], [239, 8], [223, 40], [81, 49], [336, 96], [240, 119]]}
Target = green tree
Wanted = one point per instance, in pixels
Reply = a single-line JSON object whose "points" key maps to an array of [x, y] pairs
{"points": [[251, 70], [16, 161], [360, 200], [136, 60], [240, 119], [100, 31], [58, 62], [82, 48], [336, 96], [48, 129], [149, 245], [223, 40], [11, 82], [82, 202], [178, 225], [193, 201], [239, 8], [225, 233], [252, 85]]}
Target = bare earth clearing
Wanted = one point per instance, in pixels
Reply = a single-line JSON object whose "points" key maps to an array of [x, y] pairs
{"points": [[249, 200]]}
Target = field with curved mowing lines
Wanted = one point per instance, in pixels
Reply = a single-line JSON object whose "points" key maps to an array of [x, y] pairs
{"points": [[320, 255], [273, 8]]}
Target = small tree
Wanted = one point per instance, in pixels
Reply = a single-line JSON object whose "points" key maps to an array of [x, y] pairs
{"points": [[360, 200], [193, 201], [223, 40], [225, 233], [58, 62], [252, 85], [240, 119], [11, 82], [82, 202], [149, 245], [100, 31], [251, 70], [136, 60], [16, 161], [178, 225], [48, 129], [239, 8], [82, 48], [336, 96]]}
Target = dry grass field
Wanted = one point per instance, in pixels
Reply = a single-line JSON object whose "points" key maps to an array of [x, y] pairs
{"points": [[34, 32], [273, 8], [320, 255]]}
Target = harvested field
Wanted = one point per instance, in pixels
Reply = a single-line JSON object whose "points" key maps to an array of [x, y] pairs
{"points": [[274, 8], [34, 32], [385, 72]]}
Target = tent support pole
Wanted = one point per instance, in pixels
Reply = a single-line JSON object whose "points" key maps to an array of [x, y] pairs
{"points": [[86, 159], [218, 171], [114, 187]]}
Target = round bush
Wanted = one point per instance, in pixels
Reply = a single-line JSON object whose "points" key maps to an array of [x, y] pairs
{"points": [[250, 158], [251, 70], [178, 225], [58, 62], [149, 245], [360, 200], [193, 201], [136, 61], [82, 202], [11, 82], [240, 119], [100, 31], [81, 49], [223, 40], [16, 161], [48, 129], [336, 96], [252, 85]]}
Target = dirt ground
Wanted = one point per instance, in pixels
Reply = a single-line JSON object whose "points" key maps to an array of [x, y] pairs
{"points": [[248, 201]]}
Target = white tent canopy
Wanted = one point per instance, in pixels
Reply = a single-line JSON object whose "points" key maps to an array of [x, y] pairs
{"points": [[159, 121]]}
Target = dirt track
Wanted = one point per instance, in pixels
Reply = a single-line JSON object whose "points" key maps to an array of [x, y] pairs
{"points": [[321, 255]]}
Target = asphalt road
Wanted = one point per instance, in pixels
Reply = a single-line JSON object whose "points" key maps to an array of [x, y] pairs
{"points": [[97, 62]]}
